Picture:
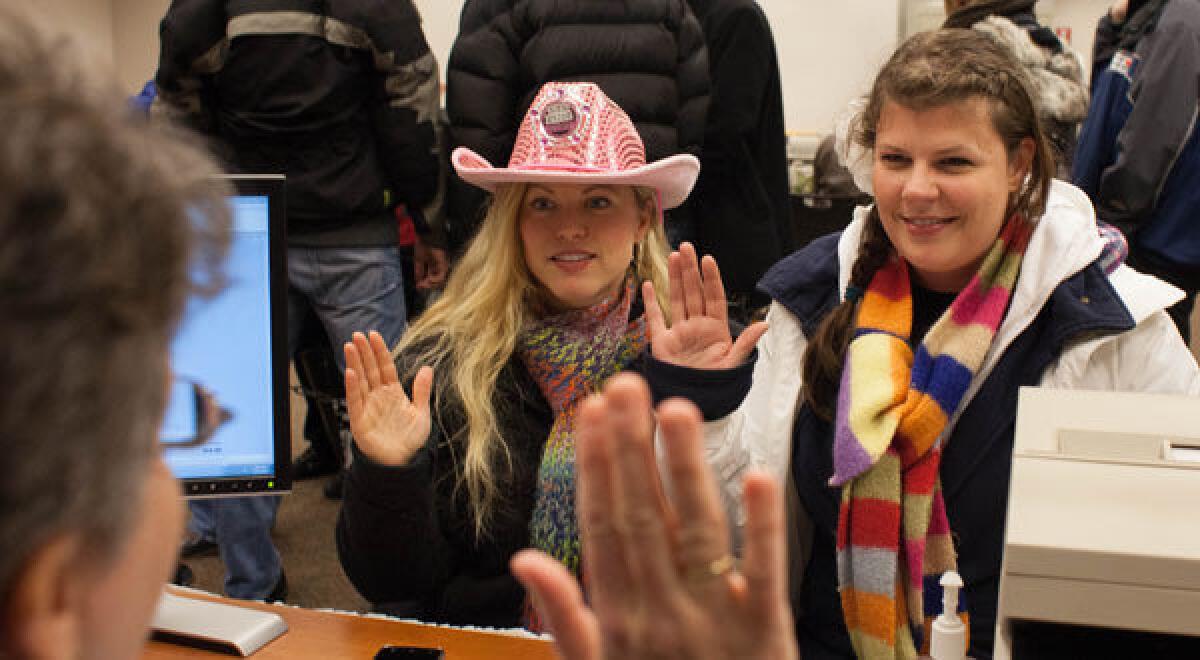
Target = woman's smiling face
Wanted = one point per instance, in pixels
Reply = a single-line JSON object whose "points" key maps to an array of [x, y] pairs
{"points": [[578, 239], [943, 178]]}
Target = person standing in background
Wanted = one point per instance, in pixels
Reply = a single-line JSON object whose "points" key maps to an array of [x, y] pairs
{"points": [[741, 201], [648, 56], [340, 96], [1052, 67], [1139, 153], [1056, 76]]}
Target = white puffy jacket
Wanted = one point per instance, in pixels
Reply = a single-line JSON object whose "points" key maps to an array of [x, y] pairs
{"points": [[1149, 358]]}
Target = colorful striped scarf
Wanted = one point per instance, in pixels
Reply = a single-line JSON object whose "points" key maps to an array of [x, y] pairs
{"points": [[893, 535], [570, 355]]}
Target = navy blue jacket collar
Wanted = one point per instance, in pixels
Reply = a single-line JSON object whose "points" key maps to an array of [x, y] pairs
{"points": [[805, 283]]}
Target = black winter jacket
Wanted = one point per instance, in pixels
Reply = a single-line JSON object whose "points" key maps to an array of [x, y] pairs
{"points": [[338, 95], [406, 538], [406, 535], [647, 55], [741, 202]]}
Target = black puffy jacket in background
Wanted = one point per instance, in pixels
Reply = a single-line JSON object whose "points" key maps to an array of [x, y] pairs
{"points": [[741, 200], [340, 96], [647, 55]]}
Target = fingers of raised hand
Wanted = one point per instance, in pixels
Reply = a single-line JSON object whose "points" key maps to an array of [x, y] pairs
{"points": [[598, 507], [675, 282], [765, 564], [638, 558], [383, 359], [703, 535], [744, 346], [370, 365], [421, 389], [356, 383], [391, 428], [627, 553], [693, 287], [354, 402], [557, 597], [715, 303], [654, 316], [637, 481]]}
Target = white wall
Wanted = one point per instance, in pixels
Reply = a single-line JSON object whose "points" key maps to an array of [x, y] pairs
{"points": [[90, 22], [135, 42], [828, 54], [439, 20]]}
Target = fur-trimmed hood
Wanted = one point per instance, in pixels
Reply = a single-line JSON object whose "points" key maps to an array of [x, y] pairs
{"points": [[1057, 77]]}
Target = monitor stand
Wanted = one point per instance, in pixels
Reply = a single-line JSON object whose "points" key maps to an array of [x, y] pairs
{"points": [[214, 626]]}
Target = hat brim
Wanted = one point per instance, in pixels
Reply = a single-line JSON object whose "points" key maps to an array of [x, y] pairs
{"points": [[673, 176]]}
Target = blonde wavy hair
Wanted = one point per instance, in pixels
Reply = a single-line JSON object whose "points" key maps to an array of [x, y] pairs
{"points": [[469, 334]]}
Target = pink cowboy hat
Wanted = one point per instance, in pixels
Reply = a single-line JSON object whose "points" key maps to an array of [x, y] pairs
{"points": [[573, 133]]}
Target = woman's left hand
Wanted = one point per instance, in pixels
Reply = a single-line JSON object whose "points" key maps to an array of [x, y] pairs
{"points": [[699, 333]]}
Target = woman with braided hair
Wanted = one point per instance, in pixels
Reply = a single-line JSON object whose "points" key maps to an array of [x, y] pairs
{"points": [[886, 386]]}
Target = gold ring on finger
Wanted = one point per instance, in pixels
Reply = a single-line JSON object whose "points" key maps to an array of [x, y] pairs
{"points": [[713, 569]]}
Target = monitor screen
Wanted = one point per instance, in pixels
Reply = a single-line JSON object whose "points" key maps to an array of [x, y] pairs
{"points": [[229, 358]]}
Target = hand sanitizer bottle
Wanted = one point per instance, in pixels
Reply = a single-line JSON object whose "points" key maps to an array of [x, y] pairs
{"points": [[949, 638]]}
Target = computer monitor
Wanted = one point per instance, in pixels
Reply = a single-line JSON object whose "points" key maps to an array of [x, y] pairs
{"points": [[226, 431]]}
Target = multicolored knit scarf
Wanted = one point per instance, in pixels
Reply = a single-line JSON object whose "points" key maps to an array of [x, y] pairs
{"points": [[893, 535], [570, 355]]}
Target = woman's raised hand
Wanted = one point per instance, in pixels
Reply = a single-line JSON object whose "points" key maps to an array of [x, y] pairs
{"points": [[388, 428], [661, 581], [699, 333]]}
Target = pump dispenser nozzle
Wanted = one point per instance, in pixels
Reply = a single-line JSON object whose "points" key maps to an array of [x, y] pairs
{"points": [[949, 638]]}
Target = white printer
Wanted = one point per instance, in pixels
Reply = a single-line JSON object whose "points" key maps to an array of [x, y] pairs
{"points": [[1102, 542]]}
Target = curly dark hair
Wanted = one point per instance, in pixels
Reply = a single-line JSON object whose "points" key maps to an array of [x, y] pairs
{"points": [[109, 224]]}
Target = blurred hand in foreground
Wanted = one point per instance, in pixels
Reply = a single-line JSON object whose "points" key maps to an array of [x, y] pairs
{"points": [[661, 579]]}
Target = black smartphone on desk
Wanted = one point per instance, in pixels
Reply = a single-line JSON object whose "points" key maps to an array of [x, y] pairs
{"points": [[410, 653]]}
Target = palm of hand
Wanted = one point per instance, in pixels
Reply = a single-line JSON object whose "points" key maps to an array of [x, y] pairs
{"points": [[391, 428], [663, 583], [697, 342], [388, 426], [698, 337]]}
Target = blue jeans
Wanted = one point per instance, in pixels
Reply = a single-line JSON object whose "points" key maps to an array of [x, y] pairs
{"points": [[348, 289], [241, 528]]}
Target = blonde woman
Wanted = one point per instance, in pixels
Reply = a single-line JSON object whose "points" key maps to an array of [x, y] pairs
{"points": [[560, 289]]}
